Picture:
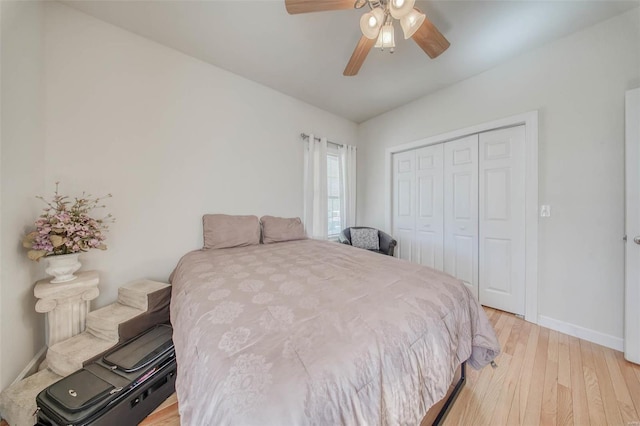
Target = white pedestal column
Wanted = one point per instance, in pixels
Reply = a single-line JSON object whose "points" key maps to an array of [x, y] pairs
{"points": [[66, 304]]}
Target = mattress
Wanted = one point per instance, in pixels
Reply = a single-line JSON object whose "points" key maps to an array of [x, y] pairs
{"points": [[315, 333]]}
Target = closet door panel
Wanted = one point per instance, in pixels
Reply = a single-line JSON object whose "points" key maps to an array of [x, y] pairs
{"points": [[404, 205], [463, 252], [502, 219], [461, 210], [405, 238], [429, 235]]}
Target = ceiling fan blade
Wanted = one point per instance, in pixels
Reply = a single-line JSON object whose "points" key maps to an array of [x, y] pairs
{"points": [[306, 6], [359, 55], [430, 39]]}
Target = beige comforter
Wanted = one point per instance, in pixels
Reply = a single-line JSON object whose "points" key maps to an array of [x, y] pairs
{"points": [[312, 332]]}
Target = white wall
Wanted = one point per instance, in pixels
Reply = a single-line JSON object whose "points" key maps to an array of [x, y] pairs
{"points": [[577, 84], [170, 137], [1, 26], [21, 178]]}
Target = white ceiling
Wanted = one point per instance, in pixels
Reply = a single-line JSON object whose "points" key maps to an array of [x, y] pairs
{"points": [[304, 55]]}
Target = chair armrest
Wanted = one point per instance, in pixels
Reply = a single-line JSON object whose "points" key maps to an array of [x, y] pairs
{"points": [[392, 247], [343, 239], [387, 243]]}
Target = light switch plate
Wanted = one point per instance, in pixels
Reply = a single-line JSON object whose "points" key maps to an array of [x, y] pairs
{"points": [[545, 210]]}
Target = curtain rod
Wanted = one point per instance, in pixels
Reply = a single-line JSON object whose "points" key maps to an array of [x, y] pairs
{"points": [[306, 136]]}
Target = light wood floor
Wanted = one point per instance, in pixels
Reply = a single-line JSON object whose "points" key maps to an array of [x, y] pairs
{"points": [[543, 377], [546, 377]]}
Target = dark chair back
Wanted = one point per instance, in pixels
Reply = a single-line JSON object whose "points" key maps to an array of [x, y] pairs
{"points": [[387, 243]]}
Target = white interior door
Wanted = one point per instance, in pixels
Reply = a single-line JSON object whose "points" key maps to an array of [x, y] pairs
{"points": [[404, 217], [632, 250], [502, 219], [461, 210], [429, 230]]}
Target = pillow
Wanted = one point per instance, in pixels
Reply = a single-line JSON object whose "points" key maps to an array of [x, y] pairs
{"points": [[277, 229], [224, 231], [365, 238]]}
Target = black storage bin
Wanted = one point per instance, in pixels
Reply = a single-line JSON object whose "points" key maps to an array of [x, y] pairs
{"points": [[121, 388]]}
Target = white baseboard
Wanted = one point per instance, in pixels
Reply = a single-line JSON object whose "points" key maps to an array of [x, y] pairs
{"points": [[607, 340], [32, 367]]}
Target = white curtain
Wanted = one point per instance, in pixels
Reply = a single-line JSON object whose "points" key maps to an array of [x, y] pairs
{"points": [[348, 179], [315, 188]]}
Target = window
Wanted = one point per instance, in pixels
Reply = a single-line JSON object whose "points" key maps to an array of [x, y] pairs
{"points": [[333, 193], [329, 188]]}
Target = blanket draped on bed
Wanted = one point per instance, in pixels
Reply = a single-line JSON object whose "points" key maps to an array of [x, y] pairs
{"points": [[318, 333]]}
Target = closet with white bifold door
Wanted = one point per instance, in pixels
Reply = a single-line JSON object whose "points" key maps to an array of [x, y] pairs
{"points": [[459, 207]]}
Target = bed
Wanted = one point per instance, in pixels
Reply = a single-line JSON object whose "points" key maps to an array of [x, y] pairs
{"points": [[319, 333]]}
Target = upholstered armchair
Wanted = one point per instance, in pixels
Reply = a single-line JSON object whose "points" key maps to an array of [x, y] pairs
{"points": [[387, 243]]}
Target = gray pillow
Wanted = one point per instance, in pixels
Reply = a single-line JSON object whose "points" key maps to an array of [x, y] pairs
{"points": [[365, 238]]}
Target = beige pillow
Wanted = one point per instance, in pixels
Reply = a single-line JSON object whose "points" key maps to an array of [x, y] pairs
{"points": [[223, 231], [277, 229]]}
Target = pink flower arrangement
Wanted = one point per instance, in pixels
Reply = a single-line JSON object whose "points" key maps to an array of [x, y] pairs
{"points": [[65, 227]]}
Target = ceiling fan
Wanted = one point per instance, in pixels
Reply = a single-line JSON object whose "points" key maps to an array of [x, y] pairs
{"points": [[377, 26]]}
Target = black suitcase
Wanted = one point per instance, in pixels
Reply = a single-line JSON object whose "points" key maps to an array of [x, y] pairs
{"points": [[121, 388]]}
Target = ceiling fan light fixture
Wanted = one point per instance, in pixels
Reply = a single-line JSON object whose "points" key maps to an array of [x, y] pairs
{"points": [[400, 8], [411, 22], [371, 22], [386, 38]]}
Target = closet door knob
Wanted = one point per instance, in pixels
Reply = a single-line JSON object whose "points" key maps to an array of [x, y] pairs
{"points": [[637, 239]]}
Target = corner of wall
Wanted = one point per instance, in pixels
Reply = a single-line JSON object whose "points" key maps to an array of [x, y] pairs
{"points": [[1, 320], [21, 177]]}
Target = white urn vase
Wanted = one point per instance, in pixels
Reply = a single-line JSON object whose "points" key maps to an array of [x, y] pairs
{"points": [[62, 267]]}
